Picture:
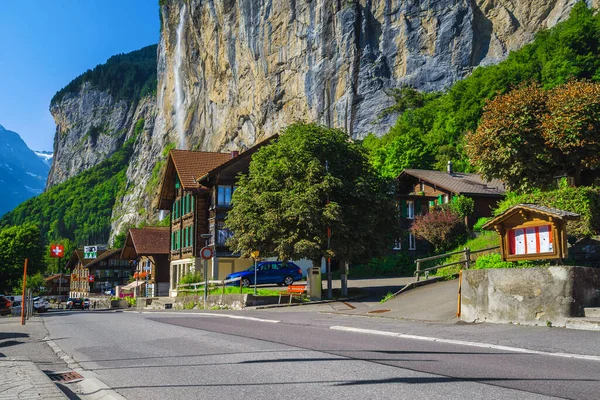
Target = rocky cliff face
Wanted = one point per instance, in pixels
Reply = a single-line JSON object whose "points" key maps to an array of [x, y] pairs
{"points": [[231, 72], [90, 127]]}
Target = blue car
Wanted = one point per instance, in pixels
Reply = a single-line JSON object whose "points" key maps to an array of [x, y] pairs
{"points": [[279, 272]]}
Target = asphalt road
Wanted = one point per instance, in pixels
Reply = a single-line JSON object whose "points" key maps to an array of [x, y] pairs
{"points": [[189, 356]]}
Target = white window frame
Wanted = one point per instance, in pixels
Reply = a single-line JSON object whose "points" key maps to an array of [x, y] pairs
{"points": [[412, 242], [397, 244], [410, 209]]}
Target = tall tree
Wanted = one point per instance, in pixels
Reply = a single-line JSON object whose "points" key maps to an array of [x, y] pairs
{"points": [[16, 244], [508, 144], [571, 127], [311, 179]]}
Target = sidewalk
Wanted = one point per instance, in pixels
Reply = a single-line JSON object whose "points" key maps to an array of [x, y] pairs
{"points": [[21, 379], [22, 351]]}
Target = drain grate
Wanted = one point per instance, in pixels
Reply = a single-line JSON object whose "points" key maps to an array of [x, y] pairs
{"points": [[68, 376], [377, 311]]}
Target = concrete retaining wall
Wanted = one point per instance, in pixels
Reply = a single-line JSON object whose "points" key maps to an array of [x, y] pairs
{"points": [[532, 296]]}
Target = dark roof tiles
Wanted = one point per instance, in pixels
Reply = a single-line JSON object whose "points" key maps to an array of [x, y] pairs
{"points": [[150, 240], [458, 182], [192, 164]]}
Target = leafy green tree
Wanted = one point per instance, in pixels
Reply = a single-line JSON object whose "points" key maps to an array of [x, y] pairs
{"points": [[508, 143], [571, 127], [35, 282], [16, 244], [281, 207], [568, 50]]}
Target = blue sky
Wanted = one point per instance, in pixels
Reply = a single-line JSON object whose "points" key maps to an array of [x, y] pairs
{"points": [[44, 44]]}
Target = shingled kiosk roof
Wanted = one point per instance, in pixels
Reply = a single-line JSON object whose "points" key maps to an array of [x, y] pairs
{"points": [[551, 212], [188, 165], [151, 240], [457, 182]]}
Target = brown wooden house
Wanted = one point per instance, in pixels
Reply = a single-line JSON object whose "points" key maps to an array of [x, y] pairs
{"points": [[58, 284], [97, 275], [196, 188], [148, 247], [420, 190]]}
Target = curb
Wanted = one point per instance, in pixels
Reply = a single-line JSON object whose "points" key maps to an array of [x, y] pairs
{"points": [[309, 303]]}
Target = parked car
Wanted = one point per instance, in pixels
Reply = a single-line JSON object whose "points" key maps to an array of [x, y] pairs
{"points": [[86, 304], [40, 305], [74, 302], [279, 272], [5, 305]]}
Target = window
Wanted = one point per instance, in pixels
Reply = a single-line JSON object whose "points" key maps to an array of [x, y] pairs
{"points": [[397, 244], [412, 243], [410, 209], [224, 195]]}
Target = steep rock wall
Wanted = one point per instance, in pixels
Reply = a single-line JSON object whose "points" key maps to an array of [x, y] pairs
{"points": [[90, 127], [250, 67]]}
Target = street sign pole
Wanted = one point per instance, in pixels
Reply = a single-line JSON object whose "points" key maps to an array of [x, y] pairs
{"points": [[255, 255], [23, 303]]}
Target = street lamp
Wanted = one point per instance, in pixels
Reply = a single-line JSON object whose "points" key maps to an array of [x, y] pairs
{"points": [[206, 237]]}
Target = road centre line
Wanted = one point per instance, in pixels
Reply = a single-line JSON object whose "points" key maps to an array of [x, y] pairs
{"points": [[270, 321], [466, 343]]}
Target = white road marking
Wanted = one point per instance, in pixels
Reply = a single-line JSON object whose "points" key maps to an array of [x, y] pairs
{"points": [[270, 321], [466, 343]]}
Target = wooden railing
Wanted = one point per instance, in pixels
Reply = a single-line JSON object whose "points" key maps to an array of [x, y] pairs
{"points": [[466, 261], [215, 283]]}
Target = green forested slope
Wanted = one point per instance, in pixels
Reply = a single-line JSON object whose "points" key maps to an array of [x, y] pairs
{"points": [[80, 208], [127, 76], [431, 129]]}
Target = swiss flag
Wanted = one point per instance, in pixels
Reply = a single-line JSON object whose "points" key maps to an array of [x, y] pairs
{"points": [[91, 278], [57, 250]]}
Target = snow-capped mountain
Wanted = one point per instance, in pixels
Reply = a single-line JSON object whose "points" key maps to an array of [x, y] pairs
{"points": [[23, 173], [45, 155]]}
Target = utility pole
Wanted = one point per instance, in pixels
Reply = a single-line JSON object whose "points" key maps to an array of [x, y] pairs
{"points": [[329, 291], [23, 298]]}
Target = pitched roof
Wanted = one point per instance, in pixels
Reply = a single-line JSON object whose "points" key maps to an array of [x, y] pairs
{"points": [[192, 164], [458, 182], [552, 212], [150, 240], [78, 255]]}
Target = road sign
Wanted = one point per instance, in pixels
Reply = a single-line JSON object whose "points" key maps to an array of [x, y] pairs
{"points": [[255, 254], [206, 253], [90, 251], [57, 250]]}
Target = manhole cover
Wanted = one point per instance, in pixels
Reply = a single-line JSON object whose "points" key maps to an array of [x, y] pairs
{"points": [[69, 376], [377, 311]]}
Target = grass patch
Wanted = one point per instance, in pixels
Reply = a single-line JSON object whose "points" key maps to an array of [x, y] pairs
{"points": [[482, 241], [214, 290]]}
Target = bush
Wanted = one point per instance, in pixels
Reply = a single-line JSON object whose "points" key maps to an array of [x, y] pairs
{"points": [[490, 261], [399, 264], [442, 228], [480, 223], [193, 277], [463, 206]]}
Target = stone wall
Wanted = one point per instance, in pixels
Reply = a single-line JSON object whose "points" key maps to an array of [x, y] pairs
{"points": [[532, 296]]}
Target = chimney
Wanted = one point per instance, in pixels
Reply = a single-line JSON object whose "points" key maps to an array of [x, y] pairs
{"points": [[450, 171], [234, 154]]}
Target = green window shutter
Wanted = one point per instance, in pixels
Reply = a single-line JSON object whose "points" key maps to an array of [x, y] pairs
{"points": [[431, 204], [440, 200], [192, 203], [417, 207], [172, 241], [454, 198], [403, 208], [187, 236]]}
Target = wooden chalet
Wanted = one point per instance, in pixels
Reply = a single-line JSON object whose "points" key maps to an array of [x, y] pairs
{"points": [[97, 275], [148, 247], [420, 190], [196, 188], [58, 285]]}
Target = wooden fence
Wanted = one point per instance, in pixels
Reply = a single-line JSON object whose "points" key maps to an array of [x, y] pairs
{"points": [[466, 261]]}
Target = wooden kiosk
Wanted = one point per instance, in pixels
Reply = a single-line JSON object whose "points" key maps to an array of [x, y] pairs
{"points": [[532, 232]]}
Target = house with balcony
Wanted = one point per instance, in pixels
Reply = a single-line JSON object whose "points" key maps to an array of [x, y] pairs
{"points": [[196, 188], [421, 190], [97, 275], [148, 248]]}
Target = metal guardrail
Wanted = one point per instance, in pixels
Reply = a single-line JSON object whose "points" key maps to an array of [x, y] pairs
{"points": [[466, 261]]}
